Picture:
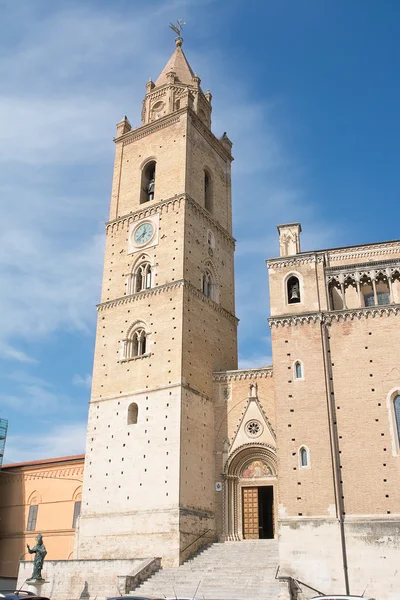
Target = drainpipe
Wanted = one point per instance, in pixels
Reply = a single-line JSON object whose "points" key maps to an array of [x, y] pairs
{"points": [[334, 441]]}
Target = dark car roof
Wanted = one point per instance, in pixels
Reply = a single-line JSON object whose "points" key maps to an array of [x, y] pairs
{"points": [[134, 598], [19, 595]]}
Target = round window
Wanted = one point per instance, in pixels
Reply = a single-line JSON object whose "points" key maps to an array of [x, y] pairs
{"points": [[253, 428]]}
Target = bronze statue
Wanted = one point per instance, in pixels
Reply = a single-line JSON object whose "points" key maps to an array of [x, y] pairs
{"points": [[40, 552]]}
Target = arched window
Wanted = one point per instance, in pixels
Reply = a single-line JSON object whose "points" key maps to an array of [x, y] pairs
{"points": [[298, 370], [304, 458], [148, 182], [34, 501], [207, 284], [135, 345], [396, 406], [133, 413], [293, 290], [142, 277], [208, 194]]}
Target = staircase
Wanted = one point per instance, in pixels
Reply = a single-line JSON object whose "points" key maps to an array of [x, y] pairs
{"points": [[229, 571]]}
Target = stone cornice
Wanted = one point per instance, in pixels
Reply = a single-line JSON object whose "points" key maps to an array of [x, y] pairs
{"points": [[206, 215], [143, 130], [68, 473], [145, 211], [379, 249], [295, 319], [349, 314], [160, 289], [380, 265], [151, 209], [195, 292], [240, 374], [295, 260], [167, 287]]}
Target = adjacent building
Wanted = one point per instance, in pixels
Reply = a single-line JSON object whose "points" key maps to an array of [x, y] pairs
{"points": [[39, 496]]}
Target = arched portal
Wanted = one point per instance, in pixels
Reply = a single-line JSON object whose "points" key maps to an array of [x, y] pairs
{"points": [[250, 493]]}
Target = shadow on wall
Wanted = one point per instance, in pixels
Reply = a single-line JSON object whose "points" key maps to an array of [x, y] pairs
{"points": [[12, 523], [85, 592]]}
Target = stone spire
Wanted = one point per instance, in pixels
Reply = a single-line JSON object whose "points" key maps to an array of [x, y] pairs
{"points": [[177, 64], [177, 88]]}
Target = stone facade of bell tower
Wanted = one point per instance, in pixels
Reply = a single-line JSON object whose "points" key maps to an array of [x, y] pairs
{"points": [[166, 322]]}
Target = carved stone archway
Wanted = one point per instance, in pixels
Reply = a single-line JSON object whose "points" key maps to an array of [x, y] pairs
{"points": [[234, 481]]}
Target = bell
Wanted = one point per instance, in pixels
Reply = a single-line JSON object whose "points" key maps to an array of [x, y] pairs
{"points": [[294, 293]]}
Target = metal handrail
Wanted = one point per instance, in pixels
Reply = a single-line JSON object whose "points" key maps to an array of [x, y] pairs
{"points": [[196, 540], [308, 586]]}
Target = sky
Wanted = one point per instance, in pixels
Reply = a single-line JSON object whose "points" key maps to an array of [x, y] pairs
{"points": [[307, 90]]}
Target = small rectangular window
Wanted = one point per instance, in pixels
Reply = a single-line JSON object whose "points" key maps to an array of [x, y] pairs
{"points": [[77, 512], [32, 517]]}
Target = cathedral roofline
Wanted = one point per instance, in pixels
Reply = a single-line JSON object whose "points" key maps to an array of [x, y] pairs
{"points": [[221, 376], [43, 461], [334, 250]]}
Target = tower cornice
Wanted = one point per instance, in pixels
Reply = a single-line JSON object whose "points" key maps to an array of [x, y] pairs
{"points": [[159, 207], [148, 128], [167, 287], [171, 119]]}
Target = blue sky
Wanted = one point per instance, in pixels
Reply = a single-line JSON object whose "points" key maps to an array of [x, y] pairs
{"points": [[308, 90]]}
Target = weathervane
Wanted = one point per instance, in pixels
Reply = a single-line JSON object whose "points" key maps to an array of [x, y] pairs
{"points": [[178, 29]]}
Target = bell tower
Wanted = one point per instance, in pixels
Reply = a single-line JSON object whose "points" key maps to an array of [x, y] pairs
{"points": [[166, 322]]}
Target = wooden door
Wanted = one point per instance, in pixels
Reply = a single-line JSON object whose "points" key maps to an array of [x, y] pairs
{"points": [[250, 513]]}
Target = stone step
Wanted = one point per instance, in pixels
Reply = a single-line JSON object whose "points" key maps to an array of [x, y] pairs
{"points": [[224, 573]]}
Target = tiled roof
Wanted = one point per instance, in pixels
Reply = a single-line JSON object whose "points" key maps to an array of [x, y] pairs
{"points": [[44, 461]]}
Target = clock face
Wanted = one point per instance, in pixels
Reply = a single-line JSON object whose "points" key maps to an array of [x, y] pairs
{"points": [[143, 233]]}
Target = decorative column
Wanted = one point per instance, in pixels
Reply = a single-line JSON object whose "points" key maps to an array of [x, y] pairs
{"points": [[225, 510], [389, 278], [230, 508], [357, 277], [373, 278], [328, 297], [235, 508], [341, 281]]}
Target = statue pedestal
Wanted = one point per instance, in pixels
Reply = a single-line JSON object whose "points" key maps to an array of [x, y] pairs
{"points": [[35, 586]]}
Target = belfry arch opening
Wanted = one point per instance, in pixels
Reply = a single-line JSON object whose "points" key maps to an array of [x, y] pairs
{"points": [[208, 192], [148, 182], [293, 290]]}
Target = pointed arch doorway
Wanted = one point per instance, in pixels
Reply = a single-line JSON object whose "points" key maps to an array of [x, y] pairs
{"points": [[250, 493]]}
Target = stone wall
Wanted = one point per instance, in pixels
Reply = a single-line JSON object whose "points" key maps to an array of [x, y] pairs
{"points": [[88, 579], [311, 551]]}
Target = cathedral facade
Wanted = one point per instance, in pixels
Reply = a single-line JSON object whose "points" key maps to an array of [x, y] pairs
{"points": [[182, 447]]}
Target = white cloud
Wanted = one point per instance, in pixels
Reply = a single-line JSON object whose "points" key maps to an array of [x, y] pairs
{"points": [[61, 440], [11, 353], [85, 381]]}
